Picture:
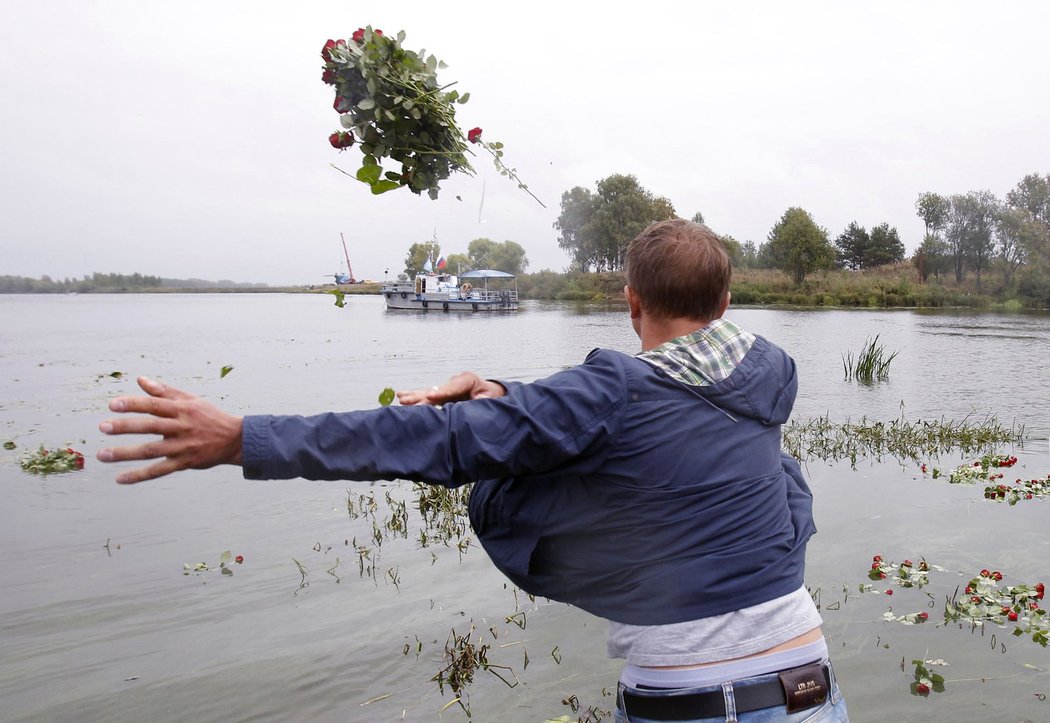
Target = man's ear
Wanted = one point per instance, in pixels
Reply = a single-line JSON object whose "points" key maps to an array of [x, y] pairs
{"points": [[634, 303], [724, 306]]}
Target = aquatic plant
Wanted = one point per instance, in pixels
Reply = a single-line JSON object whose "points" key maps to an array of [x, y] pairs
{"points": [[872, 364], [463, 657], [821, 438]]}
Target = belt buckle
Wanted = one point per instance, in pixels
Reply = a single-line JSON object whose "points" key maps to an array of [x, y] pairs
{"points": [[804, 687]]}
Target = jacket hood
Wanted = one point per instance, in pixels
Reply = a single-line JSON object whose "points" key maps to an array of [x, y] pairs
{"points": [[761, 387]]}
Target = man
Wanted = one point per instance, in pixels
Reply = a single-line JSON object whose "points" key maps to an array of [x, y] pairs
{"points": [[650, 490]]}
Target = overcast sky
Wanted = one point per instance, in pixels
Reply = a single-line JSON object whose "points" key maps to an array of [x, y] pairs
{"points": [[189, 139]]}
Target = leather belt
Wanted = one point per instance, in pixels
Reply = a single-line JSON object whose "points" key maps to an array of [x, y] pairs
{"points": [[799, 688]]}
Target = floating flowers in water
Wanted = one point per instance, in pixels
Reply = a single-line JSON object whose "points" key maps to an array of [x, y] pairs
{"points": [[53, 461]]}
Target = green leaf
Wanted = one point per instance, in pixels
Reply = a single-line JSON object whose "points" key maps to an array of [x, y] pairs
{"points": [[340, 297], [225, 557], [225, 370], [367, 104], [386, 397], [9, 445], [464, 98], [384, 186], [368, 174]]}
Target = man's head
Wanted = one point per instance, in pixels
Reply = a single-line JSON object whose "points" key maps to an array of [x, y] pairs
{"points": [[679, 270]]}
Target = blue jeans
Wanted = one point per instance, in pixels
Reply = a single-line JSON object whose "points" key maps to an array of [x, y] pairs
{"points": [[833, 710]]}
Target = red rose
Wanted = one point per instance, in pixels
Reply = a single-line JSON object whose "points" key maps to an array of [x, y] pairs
{"points": [[474, 135], [79, 463], [877, 558], [923, 617], [874, 566], [997, 576], [975, 599], [341, 139], [378, 32], [1006, 610], [239, 559], [328, 77], [358, 36], [329, 46], [924, 469], [985, 573], [342, 105], [922, 689], [1012, 616], [968, 590], [882, 576], [889, 592], [906, 563], [1033, 606]]}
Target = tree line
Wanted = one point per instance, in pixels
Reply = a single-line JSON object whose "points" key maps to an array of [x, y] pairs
{"points": [[970, 233], [482, 253], [102, 283]]}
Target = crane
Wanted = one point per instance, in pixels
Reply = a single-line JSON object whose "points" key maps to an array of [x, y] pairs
{"points": [[348, 277]]}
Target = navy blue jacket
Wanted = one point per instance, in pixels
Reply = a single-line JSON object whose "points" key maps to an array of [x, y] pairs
{"points": [[609, 486]]}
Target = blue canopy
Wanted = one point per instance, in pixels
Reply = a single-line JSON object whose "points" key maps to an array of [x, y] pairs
{"points": [[486, 274]]}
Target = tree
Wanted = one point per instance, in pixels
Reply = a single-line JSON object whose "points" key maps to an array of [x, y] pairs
{"points": [[748, 254], [596, 227], [798, 245], [508, 256], [1032, 194], [852, 246], [457, 263], [969, 234], [884, 247], [932, 257], [419, 254], [934, 211], [1017, 232], [698, 217], [732, 247], [577, 206]]}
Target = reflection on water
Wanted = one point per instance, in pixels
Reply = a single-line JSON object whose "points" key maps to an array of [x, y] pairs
{"points": [[120, 634]]}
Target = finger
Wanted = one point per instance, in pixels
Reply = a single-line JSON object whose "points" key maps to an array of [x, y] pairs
{"points": [[142, 474], [149, 450], [140, 425], [160, 389], [156, 406], [412, 396]]}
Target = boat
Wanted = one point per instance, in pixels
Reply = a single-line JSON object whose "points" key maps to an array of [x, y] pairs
{"points": [[438, 291]]}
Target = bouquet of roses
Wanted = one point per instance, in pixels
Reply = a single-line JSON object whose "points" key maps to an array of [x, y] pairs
{"points": [[391, 105]]}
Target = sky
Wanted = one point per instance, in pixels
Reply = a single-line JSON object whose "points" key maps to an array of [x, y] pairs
{"points": [[190, 139]]}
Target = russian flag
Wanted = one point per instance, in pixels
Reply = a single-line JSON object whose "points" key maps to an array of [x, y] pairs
{"points": [[441, 263]]}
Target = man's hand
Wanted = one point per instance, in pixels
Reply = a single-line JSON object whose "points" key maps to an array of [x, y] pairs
{"points": [[460, 388], [196, 434]]}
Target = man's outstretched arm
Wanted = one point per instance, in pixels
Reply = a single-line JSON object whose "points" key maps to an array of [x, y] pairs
{"points": [[195, 433]]}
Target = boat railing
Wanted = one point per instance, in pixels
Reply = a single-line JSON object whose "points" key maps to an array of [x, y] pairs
{"points": [[483, 295]]}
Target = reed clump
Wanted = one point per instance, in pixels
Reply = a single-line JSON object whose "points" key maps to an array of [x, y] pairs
{"points": [[872, 364], [821, 438]]}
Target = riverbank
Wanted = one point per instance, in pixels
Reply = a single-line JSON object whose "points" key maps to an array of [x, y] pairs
{"points": [[887, 287]]}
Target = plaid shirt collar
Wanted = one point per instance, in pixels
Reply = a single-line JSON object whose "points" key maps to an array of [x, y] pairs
{"points": [[702, 358]]}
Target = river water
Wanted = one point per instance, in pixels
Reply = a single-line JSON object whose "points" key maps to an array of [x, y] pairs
{"points": [[99, 623]]}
